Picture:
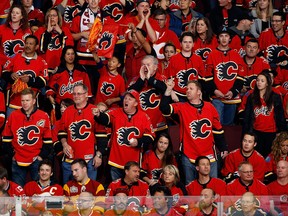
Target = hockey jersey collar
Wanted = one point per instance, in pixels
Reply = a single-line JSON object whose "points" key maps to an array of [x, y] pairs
{"points": [[224, 51], [246, 158], [28, 115], [205, 184], [123, 183], [246, 186], [26, 57], [188, 56], [80, 110]]}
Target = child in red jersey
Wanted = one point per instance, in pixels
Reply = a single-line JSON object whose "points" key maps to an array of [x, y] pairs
{"points": [[111, 84]]}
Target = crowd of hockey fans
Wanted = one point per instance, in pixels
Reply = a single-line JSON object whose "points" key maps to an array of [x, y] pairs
{"points": [[120, 107]]}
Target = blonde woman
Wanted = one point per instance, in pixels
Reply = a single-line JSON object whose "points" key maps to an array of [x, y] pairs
{"points": [[262, 14]]}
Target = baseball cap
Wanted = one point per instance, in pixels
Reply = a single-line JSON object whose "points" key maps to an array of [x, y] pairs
{"points": [[245, 16], [134, 94], [140, 1], [223, 30]]}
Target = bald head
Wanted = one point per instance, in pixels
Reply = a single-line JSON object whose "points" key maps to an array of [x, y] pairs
{"points": [[248, 203], [85, 201], [282, 169]]}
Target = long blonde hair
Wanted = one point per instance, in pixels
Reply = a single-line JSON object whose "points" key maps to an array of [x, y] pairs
{"points": [[269, 11]]}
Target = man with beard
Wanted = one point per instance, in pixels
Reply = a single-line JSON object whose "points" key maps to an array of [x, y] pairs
{"points": [[121, 202], [245, 153], [25, 69], [131, 132], [206, 204], [131, 182], [81, 27]]}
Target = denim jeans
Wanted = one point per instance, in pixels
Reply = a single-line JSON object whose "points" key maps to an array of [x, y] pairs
{"points": [[67, 173], [116, 173], [190, 172], [19, 173], [226, 111], [2, 21], [9, 110]]}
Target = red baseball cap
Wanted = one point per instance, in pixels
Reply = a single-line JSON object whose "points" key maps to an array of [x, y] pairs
{"points": [[134, 94]]}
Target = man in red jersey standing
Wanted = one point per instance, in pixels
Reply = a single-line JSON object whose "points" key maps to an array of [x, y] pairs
{"points": [[200, 128], [131, 132], [28, 131], [274, 44], [185, 66], [77, 134]]}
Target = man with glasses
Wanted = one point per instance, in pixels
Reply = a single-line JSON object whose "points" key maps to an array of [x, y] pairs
{"points": [[163, 33], [77, 134], [249, 205], [246, 182], [274, 45], [85, 204]]}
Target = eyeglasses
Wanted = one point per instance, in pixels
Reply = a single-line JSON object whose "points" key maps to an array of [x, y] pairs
{"points": [[78, 93], [277, 21]]}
